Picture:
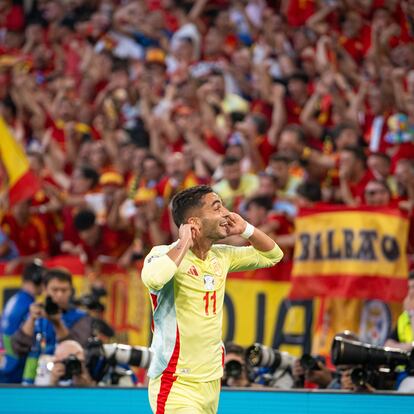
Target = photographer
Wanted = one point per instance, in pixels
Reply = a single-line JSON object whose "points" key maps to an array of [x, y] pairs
{"points": [[313, 370], [54, 321], [309, 369], [15, 313], [69, 366], [235, 369]]}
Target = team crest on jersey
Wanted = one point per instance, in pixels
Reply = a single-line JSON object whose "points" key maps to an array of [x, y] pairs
{"points": [[208, 282], [192, 271]]}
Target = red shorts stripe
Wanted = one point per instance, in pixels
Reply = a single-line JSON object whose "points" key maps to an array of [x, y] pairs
{"points": [[168, 378]]}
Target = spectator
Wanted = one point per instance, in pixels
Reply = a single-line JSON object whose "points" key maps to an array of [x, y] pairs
{"points": [[28, 232], [179, 176], [234, 186], [353, 175], [404, 173], [309, 194], [97, 241], [380, 166], [259, 211], [287, 182], [377, 194]]}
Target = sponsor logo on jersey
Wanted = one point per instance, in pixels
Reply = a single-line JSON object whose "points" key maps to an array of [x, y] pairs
{"points": [[192, 271]]}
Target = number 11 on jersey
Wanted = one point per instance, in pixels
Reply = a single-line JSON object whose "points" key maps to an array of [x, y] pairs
{"points": [[210, 302]]}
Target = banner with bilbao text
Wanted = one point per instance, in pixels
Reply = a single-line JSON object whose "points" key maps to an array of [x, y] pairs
{"points": [[350, 253]]}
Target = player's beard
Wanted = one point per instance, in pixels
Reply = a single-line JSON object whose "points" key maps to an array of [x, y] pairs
{"points": [[215, 231]]}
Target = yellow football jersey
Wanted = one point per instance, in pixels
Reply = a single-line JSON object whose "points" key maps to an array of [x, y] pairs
{"points": [[188, 307]]}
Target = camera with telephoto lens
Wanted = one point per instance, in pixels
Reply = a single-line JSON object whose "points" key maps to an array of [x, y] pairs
{"points": [[233, 369], [102, 359], [279, 365], [51, 308], [259, 355], [373, 365], [73, 366]]}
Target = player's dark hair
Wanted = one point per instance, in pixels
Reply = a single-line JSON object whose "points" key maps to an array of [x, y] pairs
{"points": [[84, 220], [60, 274], [186, 200]]}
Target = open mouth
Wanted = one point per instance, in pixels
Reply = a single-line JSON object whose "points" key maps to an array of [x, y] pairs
{"points": [[225, 226]]}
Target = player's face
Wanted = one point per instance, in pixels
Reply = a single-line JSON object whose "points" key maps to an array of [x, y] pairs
{"points": [[213, 217]]}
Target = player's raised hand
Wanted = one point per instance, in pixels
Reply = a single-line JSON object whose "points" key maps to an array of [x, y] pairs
{"points": [[187, 233], [236, 224]]}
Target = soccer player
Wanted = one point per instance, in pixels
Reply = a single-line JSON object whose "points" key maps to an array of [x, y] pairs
{"points": [[186, 281]]}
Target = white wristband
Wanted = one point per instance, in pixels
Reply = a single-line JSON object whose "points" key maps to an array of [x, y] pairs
{"points": [[248, 231]]}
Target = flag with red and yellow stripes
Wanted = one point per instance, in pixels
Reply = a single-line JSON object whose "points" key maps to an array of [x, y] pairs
{"points": [[351, 253], [21, 181]]}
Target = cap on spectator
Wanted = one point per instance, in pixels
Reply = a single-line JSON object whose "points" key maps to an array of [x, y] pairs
{"points": [[155, 56], [111, 178], [234, 103], [143, 195]]}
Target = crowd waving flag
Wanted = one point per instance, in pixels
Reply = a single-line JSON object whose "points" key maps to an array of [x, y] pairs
{"points": [[351, 253], [21, 181]]}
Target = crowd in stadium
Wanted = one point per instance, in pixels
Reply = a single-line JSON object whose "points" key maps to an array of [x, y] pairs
{"points": [[278, 105]]}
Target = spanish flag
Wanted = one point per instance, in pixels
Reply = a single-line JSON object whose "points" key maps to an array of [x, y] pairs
{"points": [[350, 253], [22, 183]]}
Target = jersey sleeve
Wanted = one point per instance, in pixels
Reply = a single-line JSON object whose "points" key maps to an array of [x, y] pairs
{"points": [[249, 258], [158, 268]]}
